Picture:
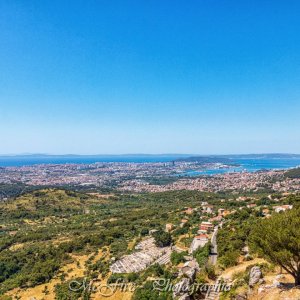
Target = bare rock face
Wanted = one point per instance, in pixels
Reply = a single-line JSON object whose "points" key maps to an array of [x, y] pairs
{"points": [[280, 276], [276, 283], [255, 276], [189, 272]]}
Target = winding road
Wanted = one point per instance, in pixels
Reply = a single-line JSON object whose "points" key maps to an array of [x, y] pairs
{"points": [[214, 247]]}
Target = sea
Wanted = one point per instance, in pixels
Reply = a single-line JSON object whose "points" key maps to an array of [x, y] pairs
{"points": [[250, 164], [27, 160]]}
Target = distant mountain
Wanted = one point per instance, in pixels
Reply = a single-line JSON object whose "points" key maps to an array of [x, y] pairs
{"points": [[41, 155], [176, 155], [263, 156]]}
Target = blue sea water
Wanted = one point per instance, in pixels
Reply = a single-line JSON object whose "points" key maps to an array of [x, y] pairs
{"points": [[245, 164], [16, 161], [251, 165]]}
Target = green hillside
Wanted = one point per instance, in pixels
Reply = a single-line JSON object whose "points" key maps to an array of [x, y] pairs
{"points": [[47, 202]]}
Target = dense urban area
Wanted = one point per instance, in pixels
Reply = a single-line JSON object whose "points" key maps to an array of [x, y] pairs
{"points": [[148, 177]]}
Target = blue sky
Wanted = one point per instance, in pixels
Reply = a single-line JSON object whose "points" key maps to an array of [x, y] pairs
{"points": [[94, 77]]}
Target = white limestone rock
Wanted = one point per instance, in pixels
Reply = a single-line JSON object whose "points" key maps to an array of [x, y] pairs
{"points": [[255, 275]]}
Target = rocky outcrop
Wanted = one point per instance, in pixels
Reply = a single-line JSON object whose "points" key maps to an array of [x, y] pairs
{"points": [[189, 269], [255, 276]]}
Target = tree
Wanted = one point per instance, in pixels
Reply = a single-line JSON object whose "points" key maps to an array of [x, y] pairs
{"points": [[278, 240], [162, 239], [202, 254], [230, 258], [177, 258], [144, 231], [147, 292]]}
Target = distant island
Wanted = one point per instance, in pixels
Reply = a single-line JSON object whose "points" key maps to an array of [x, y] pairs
{"points": [[205, 160]]}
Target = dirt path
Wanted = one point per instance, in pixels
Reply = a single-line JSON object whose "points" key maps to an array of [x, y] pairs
{"points": [[228, 273]]}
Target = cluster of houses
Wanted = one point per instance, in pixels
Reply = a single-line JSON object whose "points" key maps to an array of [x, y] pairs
{"points": [[202, 237], [205, 228], [207, 225]]}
